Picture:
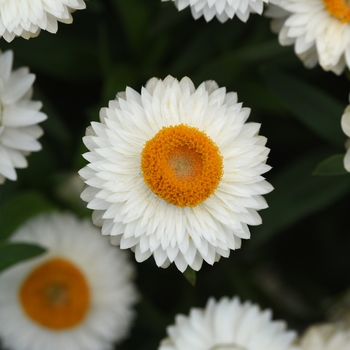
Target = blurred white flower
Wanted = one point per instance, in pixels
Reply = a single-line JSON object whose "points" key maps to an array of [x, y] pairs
{"points": [[26, 18], [325, 336], [318, 29], [222, 9], [176, 172], [345, 124], [78, 295], [19, 116], [228, 324]]}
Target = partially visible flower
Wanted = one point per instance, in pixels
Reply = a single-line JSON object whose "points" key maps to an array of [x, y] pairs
{"points": [[175, 172], [228, 324], [318, 29], [222, 9], [26, 18], [19, 116], [78, 295], [345, 124], [327, 336]]}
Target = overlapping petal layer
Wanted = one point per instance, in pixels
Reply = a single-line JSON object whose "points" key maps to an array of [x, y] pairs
{"points": [[222, 9], [26, 18], [133, 215], [228, 324], [19, 116], [319, 34]]}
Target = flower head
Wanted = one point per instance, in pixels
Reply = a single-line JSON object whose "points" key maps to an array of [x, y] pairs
{"points": [[77, 295], [318, 29], [222, 9], [345, 124], [228, 324], [19, 116], [175, 172], [26, 18], [327, 336]]}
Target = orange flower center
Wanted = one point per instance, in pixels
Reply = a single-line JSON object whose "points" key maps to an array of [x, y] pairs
{"points": [[339, 9], [55, 295], [181, 165]]}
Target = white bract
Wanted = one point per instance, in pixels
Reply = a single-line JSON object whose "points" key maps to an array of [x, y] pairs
{"points": [[318, 29], [228, 324], [26, 18], [78, 295], [222, 9], [175, 172], [19, 116], [345, 124], [325, 336]]}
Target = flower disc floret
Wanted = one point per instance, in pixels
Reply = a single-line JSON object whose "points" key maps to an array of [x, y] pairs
{"points": [[339, 9], [175, 172], [181, 165], [77, 295], [56, 294]]}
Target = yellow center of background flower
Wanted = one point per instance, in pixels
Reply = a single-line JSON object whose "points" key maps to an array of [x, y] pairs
{"points": [[55, 295], [181, 165], [339, 9]]}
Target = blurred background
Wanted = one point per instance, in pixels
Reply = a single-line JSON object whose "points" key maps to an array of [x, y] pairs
{"points": [[297, 261]]}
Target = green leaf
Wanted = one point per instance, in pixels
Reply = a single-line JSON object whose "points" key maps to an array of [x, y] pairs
{"points": [[313, 107], [298, 194], [190, 275], [20, 208], [134, 16], [63, 56], [12, 253], [333, 165]]}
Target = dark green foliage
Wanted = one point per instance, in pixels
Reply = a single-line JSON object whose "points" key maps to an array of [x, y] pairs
{"points": [[297, 260]]}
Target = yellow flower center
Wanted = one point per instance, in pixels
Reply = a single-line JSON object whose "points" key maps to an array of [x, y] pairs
{"points": [[55, 294], [181, 165], [339, 9]]}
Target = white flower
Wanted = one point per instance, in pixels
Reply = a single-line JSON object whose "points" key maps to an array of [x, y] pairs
{"points": [[326, 336], [78, 295], [26, 18], [345, 124], [228, 325], [19, 116], [318, 29], [175, 172], [222, 9]]}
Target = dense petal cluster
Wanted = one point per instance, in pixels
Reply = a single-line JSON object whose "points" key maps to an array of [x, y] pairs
{"points": [[26, 18], [318, 29], [222, 9], [228, 324], [19, 116], [77, 260], [327, 336], [345, 124], [165, 222]]}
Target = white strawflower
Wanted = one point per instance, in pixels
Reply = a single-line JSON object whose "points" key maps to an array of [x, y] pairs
{"points": [[175, 172], [327, 336], [78, 295], [26, 18], [228, 324], [345, 124], [19, 116], [318, 29], [222, 9]]}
